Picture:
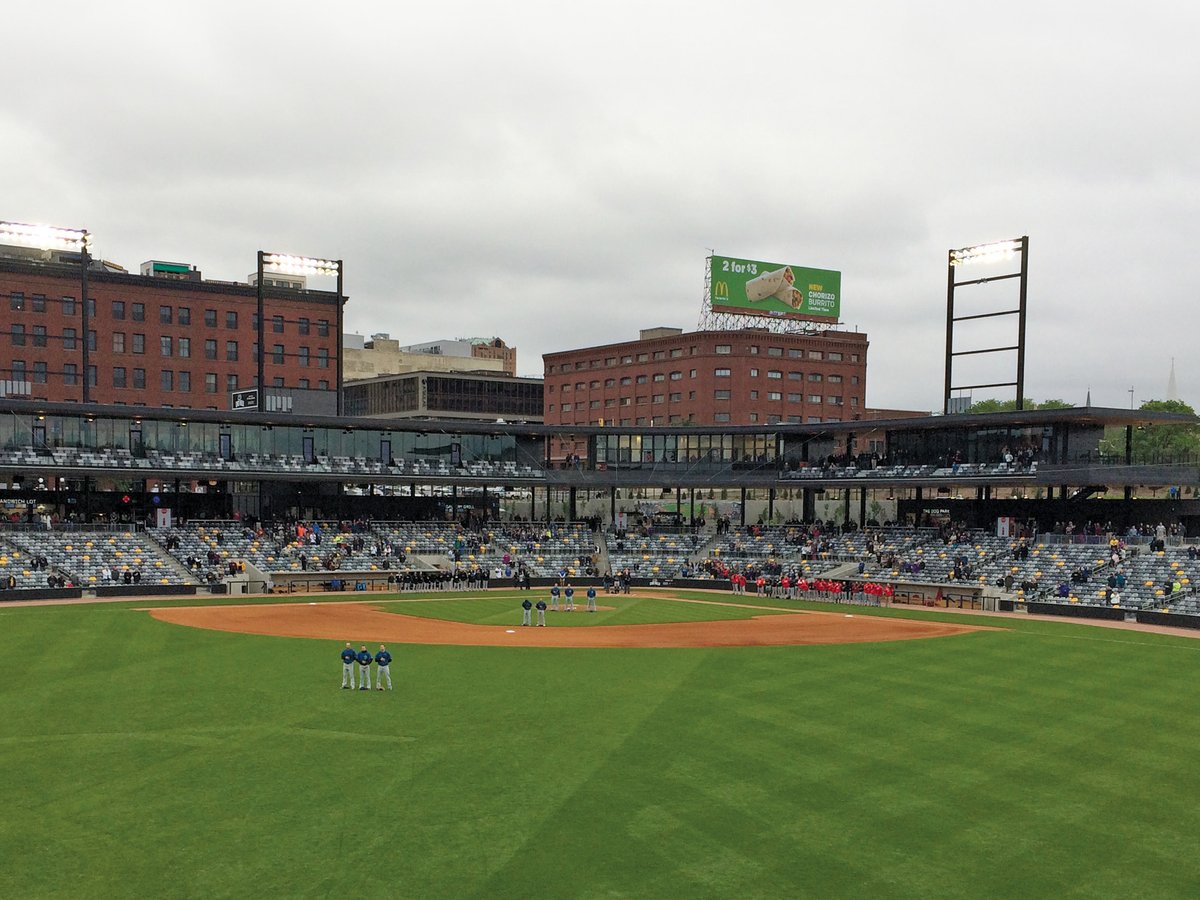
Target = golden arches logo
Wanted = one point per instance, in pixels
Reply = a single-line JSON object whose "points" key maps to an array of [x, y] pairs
{"points": [[720, 289]]}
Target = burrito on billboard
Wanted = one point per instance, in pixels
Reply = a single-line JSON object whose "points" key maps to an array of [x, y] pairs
{"points": [[754, 288]]}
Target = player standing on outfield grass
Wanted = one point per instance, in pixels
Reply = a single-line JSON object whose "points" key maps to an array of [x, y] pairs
{"points": [[541, 608], [554, 597], [569, 594], [591, 595], [364, 668], [348, 658], [526, 606], [383, 662]]}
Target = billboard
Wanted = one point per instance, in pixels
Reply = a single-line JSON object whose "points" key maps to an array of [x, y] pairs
{"points": [[754, 288]]}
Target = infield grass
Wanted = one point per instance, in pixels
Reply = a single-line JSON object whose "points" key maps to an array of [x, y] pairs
{"points": [[139, 758]]}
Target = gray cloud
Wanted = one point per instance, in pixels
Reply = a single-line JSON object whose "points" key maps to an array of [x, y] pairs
{"points": [[555, 173]]}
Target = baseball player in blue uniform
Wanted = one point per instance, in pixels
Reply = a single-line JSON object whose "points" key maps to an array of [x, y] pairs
{"points": [[591, 595], [554, 597], [364, 668], [526, 606], [383, 662], [541, 608], [348, 659], [569, 593]]}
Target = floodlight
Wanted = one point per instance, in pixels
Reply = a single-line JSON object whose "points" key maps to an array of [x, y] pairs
{"points": [[45, 237], [997, 251], [300, 265]]}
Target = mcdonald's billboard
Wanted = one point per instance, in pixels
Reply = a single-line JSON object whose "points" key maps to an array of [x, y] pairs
{"points": [[754, 288]]}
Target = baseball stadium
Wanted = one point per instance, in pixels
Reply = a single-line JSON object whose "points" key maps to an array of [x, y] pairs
{"points": [[282, 649]]}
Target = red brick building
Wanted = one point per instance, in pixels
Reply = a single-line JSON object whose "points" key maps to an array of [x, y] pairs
{"points": [[169, 340], [746, 377]]}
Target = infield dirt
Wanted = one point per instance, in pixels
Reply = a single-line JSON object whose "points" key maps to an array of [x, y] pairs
{"points": [[368, 622]]}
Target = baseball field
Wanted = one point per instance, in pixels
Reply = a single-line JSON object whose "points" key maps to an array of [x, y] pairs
{"points": [[172, 754]]}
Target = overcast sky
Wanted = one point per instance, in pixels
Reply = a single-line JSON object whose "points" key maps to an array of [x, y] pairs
{"points": [[556, 173]]}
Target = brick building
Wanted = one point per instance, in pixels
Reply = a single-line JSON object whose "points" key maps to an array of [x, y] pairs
{"points": [[167, 338], [668, 377]]}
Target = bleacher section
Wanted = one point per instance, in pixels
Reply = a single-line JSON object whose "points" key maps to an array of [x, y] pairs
{"points": [[84, 555]]}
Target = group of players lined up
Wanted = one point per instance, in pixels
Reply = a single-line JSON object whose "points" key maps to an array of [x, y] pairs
{"points": [[566, 593], [468, 579], [362, 662], [789, 587]]}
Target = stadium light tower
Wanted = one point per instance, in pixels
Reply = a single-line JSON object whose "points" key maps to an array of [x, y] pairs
{"points": [[983, 254], [70, 240], [287, 264]]}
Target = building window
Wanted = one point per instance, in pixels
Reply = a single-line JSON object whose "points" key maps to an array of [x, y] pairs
{"points": [[70, 373], [165, 345], [610, 361], [210, 318], [68, 306], [277, 354], [753, 417], [834, 379], [39, 335], [642, 357], [137, 312], [231, 320], [139, 379], [322, 385], [567, 407], [118, 310], [660, 354], [658, 398], [754, 373], [815, 354], [185, 382], [753, 350], [139, 343], [210, 349], [91, 376], [166, 380], [231, 351], [626, 401], [165, 315], [724, 350], [692, 373], [834, 401], [814, 376], [854, 379], [720, 373], [795, 376], [626, 360], [814, 398], [853, 357], [39, 303], [18, 335], [16, 301], [835, 357], [70, 336], [39, 373], [322, 328], [595, 385], [721, 417], [185, 347], [676, 353], [185, 315], [302, 326], [774, 373], [304, 357], [676, 376], [774, 395], [231, 382], [659, 376], [720, 395], [794, 353], [277, 324], [210, 383], [642, 379], [118, 342], [854, 401], [754, 395], [675, 398], [18, 370], [626, 381], [119, 377], [304, 384], [322, 358], [91, 340]]}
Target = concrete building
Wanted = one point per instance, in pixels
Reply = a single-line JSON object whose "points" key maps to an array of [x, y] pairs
{"points": [[477, 348], [381, 355], [446, 395]]}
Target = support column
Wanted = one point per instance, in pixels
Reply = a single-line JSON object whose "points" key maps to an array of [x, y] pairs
{"points": [[770, 505], [808, 504], [1129, 458], [548, 492], [692, 506], [612, 506], [571, 501], [533, 502], [862, 507], [845, 505], [742, 509]]}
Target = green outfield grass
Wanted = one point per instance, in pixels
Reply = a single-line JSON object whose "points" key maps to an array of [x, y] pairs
{"points": [[1045, 759]]}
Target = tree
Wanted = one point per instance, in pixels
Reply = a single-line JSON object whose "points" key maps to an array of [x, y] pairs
{"points": [[995, 406], [1166, 443]]}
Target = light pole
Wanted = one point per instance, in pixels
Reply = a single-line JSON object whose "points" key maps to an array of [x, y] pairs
{"points": [[71, 240], [287, 264]]}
